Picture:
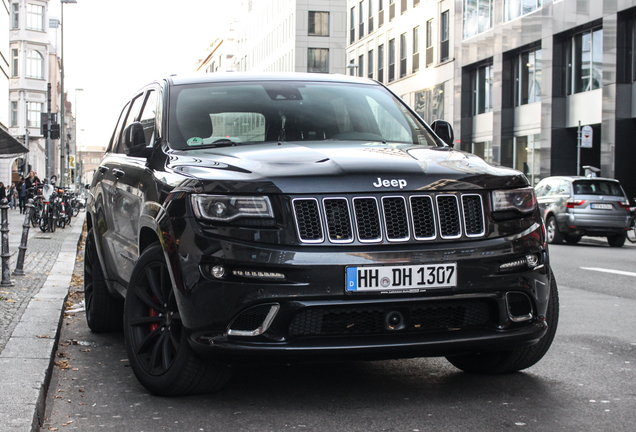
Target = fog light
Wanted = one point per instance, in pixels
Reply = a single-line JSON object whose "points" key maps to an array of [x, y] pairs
{"points": [[218, 271], [532, 260]]}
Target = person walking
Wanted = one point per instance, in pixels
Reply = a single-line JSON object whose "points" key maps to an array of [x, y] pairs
{"points": [[22, 194], [3, 191], [12, 200]]}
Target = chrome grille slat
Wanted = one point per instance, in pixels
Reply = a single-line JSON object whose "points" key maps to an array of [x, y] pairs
{"points": [[392, 218]]}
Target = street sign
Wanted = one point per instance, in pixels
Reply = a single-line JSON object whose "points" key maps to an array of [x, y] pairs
{"points": [[586, 137]]}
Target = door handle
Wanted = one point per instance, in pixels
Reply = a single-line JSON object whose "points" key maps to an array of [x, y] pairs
{"points": [[102, 169], [118, 173]]}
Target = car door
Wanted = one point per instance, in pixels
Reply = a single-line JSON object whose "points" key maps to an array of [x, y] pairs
{"points": [[131, 179]]}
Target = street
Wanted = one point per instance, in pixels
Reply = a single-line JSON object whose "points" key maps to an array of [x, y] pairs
{"points": [[585, 382]]}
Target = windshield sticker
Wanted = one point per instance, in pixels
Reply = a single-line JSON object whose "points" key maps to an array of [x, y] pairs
{"points": [[195, 141]]}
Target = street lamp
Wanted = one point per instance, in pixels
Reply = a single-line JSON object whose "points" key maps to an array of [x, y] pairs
{"points": [[63, 154], [78, 152]]}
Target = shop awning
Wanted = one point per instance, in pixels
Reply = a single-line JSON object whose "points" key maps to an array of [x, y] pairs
{"points": [[9, 146]]}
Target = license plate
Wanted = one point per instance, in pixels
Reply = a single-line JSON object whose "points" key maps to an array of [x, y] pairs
{"points": [[602, 206], [412, 278]]}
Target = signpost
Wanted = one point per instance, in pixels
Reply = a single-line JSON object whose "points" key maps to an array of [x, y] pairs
{"points": [[584, 137]]}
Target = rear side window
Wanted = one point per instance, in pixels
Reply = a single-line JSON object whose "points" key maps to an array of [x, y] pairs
{"points": [[597, 187]]}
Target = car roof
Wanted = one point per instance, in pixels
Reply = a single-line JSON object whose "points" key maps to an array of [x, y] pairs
{"points": [[250, 76]]}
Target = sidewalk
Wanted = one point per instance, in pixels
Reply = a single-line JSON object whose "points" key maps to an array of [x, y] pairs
{"points": [[30, 316]]}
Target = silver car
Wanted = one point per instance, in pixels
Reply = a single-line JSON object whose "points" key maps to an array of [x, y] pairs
{"points": [[576, 206]]}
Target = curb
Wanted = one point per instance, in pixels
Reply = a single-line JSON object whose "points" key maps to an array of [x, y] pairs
{"points": [[27, 360]]}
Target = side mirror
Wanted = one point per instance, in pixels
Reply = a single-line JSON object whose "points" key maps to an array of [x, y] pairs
{"points": [[135, 140], [444, 131]]}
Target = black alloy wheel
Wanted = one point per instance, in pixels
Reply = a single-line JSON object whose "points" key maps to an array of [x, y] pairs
{"points": [[502, 362], [104, 313], [156, 340]]}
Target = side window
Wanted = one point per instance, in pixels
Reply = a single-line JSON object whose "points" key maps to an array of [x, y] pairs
{"points": [[132, 115], [564, 188], [148, 115], [114, 141]]}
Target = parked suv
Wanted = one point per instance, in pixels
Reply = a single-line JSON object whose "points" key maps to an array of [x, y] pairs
{"points": [[576, 206], [301, 217]]}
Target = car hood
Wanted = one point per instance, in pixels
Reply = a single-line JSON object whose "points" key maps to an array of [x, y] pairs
{"points": [[337, 167]]}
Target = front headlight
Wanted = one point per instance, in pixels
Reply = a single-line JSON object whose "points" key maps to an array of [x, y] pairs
{"points": [[523, 200], [226, 208]]}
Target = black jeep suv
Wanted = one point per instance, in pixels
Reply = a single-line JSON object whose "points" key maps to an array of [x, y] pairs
{"points": [[301, 217]]}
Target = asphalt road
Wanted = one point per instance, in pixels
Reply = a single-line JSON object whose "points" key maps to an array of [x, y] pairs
{"points": [[586, 382]]}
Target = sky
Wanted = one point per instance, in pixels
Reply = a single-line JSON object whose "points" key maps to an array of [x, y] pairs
{"points": [[112, 48]]}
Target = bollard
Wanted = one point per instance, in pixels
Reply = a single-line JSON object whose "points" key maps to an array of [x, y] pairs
{"points": [[4, 217], [28, 208]]}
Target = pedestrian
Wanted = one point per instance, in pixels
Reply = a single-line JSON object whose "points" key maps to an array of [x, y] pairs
{"points": [[32, 181], [12, 200], [22, 195], [3, 191]]}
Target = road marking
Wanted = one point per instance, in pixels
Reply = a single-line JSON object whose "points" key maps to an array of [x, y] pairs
{"points": [[620, 272]]}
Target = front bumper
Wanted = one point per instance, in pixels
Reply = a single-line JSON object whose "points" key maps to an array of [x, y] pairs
{"points": [[313, 292]]}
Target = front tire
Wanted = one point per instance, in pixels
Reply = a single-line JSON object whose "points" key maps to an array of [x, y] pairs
{"points": [[494, 363], [104, 313], [156, 341], [553, 234]]}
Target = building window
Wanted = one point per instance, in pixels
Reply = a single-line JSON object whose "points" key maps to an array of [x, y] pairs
{"points": [[429, 104], [15, 15], [392, 60], [361, 65], [444, 36], [527, 77], [14, 113], [416, 2], [318, 23], [352, 29], [403, 7], [370, 14], [35, 65], [516, 8], [370, 64], [352, 67], [33, 114], [482, 82], [361, 21], [584, 60], [483, 150], [478, 16], [391, 9], [429, 43], [35, 17], [317, 60], [14, 62], [527, 151], [380, 13], [381, 63], [416, 49], [402, 55]]}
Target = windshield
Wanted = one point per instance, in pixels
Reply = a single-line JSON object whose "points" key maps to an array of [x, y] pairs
{"points": [[221, 114]]}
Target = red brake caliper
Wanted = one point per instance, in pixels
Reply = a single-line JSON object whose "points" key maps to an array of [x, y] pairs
{"points": [[153, 313]]}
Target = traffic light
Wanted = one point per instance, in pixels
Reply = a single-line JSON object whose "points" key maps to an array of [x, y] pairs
{"points": [[55, 131], [44, 124]]}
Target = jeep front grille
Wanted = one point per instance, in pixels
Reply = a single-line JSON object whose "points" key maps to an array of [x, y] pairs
{"points": [[390, 218]]}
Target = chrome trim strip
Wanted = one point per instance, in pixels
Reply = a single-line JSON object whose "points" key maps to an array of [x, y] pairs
{"points": [[483, 219], [434, 217], [322, 226], [262, 328], [377, 208], [324, 209], [406, 215]]}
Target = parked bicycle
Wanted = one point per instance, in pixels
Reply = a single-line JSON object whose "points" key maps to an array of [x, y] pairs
{"points": [[48, 216], [36, 212]]}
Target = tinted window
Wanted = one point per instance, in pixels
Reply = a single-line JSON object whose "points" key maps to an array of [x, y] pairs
{"points": [[597, 187], [114, 141], [132, 115], [289, 111]]}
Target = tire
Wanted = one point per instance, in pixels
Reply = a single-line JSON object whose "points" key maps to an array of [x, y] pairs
{"points": [[75, 211], [104, 313], [617, 240], [572, 239], [35, 220], [156, 342], [52, 220], [552, 231], [44, 222], [503, 362], [631, 235]]}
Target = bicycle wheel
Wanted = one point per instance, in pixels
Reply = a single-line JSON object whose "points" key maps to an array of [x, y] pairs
{"points": [[631, 234], [44, 221]]}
